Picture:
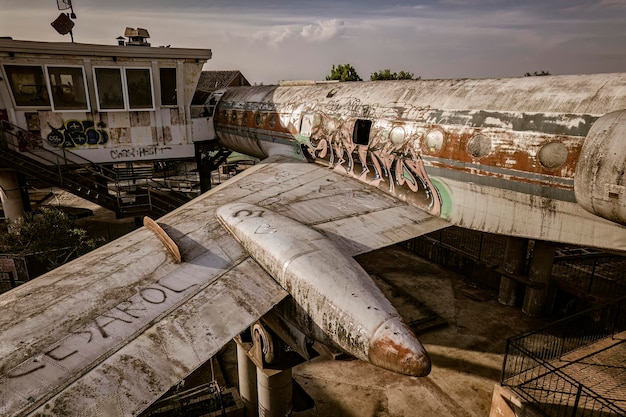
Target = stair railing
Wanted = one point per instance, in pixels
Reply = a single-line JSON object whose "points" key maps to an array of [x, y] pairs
{"points": [[31, 146]]}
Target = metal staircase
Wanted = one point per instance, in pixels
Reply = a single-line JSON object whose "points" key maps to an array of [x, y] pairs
{"points": [[23, 151]]}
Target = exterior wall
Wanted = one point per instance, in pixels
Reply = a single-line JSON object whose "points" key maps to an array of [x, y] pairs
{"points": [[110, 136]]}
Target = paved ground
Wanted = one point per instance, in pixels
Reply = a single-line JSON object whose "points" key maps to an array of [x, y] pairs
{"points": [[467, 352]]}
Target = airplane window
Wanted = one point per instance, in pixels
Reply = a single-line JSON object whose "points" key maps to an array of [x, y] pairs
{"points": [[258, 119], [27, 85], [273, 120], [434, 141], [553, 155], [397, 135], [68, 88], [361, 133], [479, 146]]}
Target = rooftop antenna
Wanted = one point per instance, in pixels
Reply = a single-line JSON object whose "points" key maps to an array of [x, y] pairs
{"points": [[64, 24]]}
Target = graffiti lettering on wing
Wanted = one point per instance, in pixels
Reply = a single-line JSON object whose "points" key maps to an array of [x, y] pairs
{"points": [[389, 161], [74, 133], [139, 152], [90, 344]]}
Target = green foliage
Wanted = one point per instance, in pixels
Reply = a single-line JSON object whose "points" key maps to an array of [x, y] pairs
{"points": [[386, 74], [537, 74], [343, 73], [49, 234]]}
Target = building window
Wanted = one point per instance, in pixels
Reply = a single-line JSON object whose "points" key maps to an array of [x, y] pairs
{"points": [[28, 85], [139, 84], [68, 88], [109, 88], [168, 86], [130, 89]]}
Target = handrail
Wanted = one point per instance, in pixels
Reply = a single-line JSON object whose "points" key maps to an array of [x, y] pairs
{"points": [[66, 158], [533, 360]]}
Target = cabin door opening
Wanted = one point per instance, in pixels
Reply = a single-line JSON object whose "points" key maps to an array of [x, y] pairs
{"points": [[361, 132]]}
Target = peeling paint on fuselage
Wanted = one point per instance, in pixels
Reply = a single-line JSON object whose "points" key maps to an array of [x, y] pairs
{"points": [[523, 135]]}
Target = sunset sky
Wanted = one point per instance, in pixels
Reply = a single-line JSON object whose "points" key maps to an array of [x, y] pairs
{"points": [[281, 40]]}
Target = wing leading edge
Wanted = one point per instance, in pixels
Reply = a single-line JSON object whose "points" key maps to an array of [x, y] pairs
{"points": [[110, 332]]}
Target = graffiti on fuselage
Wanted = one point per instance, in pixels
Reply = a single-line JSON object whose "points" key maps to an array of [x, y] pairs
{"points": [[74, 133], [389, 161]]}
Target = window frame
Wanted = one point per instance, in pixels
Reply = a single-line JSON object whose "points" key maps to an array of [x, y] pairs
{"points": [[175, 86], [125, 91], [6, 76], [97, 89], [51, 96], [125, 81]]}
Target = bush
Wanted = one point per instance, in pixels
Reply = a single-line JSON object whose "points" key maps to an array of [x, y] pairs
{"points": [[50, 235]]}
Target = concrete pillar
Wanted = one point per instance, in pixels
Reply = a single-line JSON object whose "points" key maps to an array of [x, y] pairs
{"points": [[514, 263], [275, 392], [11, 195], [540, 271], [247, 382]]}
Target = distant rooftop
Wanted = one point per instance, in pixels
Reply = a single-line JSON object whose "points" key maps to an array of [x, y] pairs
{"points": [[214, 80]]}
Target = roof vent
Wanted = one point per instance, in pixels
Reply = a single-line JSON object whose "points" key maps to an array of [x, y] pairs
{"points": [[137, 37]]}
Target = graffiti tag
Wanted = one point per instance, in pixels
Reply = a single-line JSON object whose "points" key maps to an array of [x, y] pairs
{"points": [[74, 133], [124, 319], [139, 152], [397, 168]]}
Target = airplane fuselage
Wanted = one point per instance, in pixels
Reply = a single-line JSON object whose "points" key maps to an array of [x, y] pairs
{"points": [[534, 157]]}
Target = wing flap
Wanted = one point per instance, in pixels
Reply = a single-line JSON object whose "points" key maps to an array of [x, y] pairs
{"points": [[374, 230], [359, 217]]}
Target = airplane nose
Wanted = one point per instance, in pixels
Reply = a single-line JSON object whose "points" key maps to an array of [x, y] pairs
{"points": [[394, 347]]}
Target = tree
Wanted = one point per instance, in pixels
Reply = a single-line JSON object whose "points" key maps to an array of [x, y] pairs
{"points": [[49, 234], [344, 72], [537, 74], [386, 74]]}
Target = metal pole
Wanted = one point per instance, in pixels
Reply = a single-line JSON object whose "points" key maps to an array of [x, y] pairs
{"points": [[540, 271], [514, 263], [575, 407], [275, 390], [247, 382]]}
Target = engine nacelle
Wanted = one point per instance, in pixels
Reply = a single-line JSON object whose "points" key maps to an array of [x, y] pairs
{"points": [[600, 180]]}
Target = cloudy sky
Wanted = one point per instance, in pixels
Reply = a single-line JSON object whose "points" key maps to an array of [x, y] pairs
{"points": [[280, 40]]}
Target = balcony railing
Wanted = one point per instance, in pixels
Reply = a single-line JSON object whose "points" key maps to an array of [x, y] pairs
{"points": [[575, 367]]}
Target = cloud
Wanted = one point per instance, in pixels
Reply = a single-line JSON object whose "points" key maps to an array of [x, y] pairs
{"points": [[274, 36], [323, 30], [319, 31]]}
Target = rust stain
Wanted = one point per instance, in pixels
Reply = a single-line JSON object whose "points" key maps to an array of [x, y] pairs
{"points": [[139, 118]]}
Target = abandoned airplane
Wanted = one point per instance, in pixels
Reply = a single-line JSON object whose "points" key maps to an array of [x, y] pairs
{"points": [[347, 168]]}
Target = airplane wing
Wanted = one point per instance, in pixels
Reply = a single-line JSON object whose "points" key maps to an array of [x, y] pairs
{"points": [[109, 333]]}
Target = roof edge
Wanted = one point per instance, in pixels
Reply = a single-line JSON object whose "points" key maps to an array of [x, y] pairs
{"points": [[85, 49]]}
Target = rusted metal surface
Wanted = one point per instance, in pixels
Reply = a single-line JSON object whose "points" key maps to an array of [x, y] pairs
{"points": [[484, 154], [341, 305]]}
